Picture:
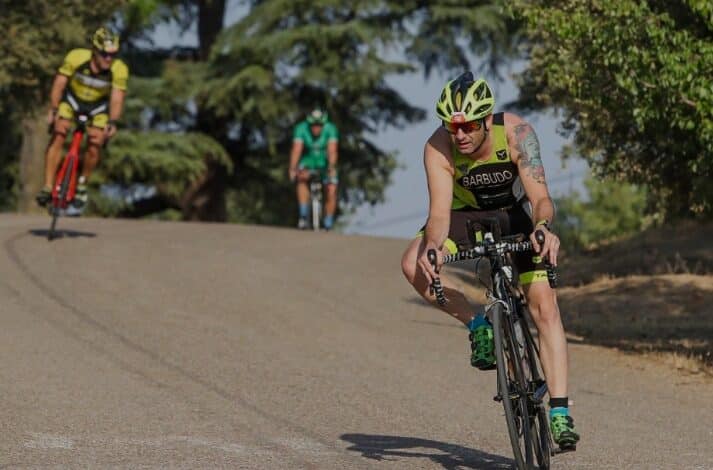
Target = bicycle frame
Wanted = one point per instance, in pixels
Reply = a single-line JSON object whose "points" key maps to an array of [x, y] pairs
{"points": [[69, 168]]}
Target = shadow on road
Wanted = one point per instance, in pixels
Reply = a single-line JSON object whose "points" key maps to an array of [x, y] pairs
{"points": [[63, 233], [448, 456]]}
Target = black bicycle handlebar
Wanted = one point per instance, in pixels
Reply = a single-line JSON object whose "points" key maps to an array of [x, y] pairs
{"points": [[486, 249]]}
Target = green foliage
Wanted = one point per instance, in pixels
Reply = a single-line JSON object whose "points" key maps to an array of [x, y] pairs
{"points": [[634, 81], [149, 157], [36, 36], [610, 209], [288, 56], [187, 120]]}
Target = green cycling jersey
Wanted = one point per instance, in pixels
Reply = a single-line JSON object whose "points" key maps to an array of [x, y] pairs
{"points": [[315, 148]]}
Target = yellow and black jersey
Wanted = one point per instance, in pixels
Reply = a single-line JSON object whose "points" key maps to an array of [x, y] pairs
{"points": [[487, 184], [90, 87]]}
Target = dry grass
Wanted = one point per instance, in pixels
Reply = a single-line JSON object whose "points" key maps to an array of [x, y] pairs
{"points": [[678, 249], [666, 313]]}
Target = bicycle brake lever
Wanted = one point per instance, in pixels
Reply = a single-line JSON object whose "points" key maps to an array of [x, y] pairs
{"points": [[551, 273], [436, 287]]}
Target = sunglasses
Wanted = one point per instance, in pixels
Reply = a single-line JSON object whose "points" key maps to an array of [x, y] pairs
{"points": [[107, 55], [466, 127]]}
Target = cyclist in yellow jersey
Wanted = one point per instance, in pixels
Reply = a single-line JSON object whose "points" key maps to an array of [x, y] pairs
{"points": [[94, 81], [480, 166]]}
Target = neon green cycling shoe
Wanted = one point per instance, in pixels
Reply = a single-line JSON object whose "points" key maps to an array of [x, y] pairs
{"points": [[563, 432], [482, 347]]}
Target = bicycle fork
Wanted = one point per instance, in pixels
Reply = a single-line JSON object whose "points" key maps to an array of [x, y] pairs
{"points": [[63, 193]]}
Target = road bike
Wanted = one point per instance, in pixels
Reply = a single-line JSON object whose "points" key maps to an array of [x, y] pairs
{"points": [[65, 183], [521, 387]]}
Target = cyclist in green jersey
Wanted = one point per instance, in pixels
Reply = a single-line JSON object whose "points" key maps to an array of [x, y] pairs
{"points": [[480, 166], [318, 138]]}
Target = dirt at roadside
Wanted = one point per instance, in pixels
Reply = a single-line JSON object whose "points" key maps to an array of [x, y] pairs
{"points": [[670, 313]]}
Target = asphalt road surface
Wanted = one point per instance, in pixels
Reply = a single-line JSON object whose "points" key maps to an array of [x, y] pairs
{"points": [[135, 344]]}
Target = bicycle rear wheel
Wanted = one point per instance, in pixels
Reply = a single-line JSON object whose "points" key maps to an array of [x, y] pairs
{"points": [[512, 389]]}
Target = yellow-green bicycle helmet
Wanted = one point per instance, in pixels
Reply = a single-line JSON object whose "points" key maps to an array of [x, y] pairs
{"points": [[466, 98], [105, 40]]}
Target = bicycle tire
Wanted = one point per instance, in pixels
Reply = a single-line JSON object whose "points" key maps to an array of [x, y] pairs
{"points": [[537, 388], [55, 209], [316, 211], [512, 390]]}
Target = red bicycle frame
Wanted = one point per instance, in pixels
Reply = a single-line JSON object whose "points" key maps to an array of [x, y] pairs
{"points": [[71, 164]]}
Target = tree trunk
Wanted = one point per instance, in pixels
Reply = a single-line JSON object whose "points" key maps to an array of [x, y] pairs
{"points": [[205, 200], [210, 24], [32, 160]]}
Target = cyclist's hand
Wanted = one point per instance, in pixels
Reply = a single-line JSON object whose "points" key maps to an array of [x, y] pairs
{"points": [[51, 116], [110, 130], [549, 248], [425, 263], [292, 172]]}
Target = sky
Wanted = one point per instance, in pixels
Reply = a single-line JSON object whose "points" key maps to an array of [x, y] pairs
{"points": [[405, 207]]}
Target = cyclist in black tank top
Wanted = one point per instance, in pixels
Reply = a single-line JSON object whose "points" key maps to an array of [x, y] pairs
{"points": [[480, 166]]}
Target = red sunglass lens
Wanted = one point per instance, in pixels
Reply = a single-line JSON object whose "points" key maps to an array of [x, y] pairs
{"points": [[467, 127]]}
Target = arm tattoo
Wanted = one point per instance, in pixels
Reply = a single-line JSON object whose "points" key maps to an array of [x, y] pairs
{"points": [[529, 152]]}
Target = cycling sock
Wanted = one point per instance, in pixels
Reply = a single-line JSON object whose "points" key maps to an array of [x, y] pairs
{"points": [[304, 210], [328, 221], [559, 406], [478, 320]]}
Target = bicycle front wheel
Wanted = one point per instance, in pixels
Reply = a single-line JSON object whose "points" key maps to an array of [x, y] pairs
{"points": [[316, 211], [512, 389], [537, 389]]}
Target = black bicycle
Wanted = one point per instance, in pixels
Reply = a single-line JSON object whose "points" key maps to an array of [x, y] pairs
{"points": [[521, 387]]}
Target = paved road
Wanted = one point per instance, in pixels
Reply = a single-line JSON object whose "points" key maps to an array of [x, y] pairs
{"points": [[132, 344]]}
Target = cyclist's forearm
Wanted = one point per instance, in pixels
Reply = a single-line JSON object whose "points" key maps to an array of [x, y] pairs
{"points": [[116, 104], [332, 154], [294, 158], [543, 209], [60, 81], [437, 230]]}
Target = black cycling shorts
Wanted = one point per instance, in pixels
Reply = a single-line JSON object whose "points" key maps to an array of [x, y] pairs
{"points": [[514, 220]]}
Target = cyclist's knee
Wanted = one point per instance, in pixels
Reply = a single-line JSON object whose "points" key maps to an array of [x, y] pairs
{"points": [[544, 310], [303, 176], [96, 136], [409, 262], [60, 128], [408, 267]]}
